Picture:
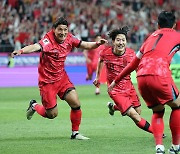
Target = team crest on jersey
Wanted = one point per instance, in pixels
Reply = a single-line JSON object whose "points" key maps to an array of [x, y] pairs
{"points": [[45, 41]]}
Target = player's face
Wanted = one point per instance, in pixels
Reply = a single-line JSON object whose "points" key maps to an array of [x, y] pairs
{"points": [[120, 43], [60, 32]]}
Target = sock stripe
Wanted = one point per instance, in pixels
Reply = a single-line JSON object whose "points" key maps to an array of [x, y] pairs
{"points": [[147, 125]]}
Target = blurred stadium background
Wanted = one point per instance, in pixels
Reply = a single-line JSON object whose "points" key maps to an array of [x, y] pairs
{"points": [[24, 22]]}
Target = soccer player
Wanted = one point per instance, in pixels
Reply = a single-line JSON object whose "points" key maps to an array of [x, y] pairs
{"points": [[155, 82], [115, 58], [53, 80], [92, 57]]}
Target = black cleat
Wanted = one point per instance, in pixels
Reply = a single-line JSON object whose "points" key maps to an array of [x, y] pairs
{"points": [[30, 111], [78, 136], [111, 108]]}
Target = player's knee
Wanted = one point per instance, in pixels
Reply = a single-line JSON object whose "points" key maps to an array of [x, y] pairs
{"points": [[138, 110], [52, 115], [134, 115]]}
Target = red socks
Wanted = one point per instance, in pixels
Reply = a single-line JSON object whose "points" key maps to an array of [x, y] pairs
{"points": [[143, 124], [75, 117], [40, 110], [174, 123], [157, 124]]}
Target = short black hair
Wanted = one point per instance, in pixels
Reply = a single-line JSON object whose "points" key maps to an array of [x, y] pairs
{"points": [[98, 34], [166, 19], [124, 30], [60, 21]]}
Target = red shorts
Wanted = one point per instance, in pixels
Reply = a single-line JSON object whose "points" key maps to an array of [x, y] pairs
{"points": [[91, 68], [125, 100], [49, 91], [157, 90]]}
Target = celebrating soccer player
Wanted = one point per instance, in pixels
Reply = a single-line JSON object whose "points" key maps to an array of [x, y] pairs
{"points": [[155, 82], [53, 80], [115, 58], [92, 57]]}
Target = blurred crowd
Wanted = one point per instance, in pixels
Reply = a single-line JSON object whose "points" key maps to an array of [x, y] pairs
{"points": [[23, 22]]}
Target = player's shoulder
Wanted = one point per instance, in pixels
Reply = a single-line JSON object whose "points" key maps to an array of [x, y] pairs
{"points": [[48, 38], [129, 50], [106, 49], [71, 36]]}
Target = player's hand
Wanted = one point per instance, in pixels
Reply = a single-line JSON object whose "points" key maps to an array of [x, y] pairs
{"points": [[16, 53], [111, 86], [96, 82], [101, 41]]}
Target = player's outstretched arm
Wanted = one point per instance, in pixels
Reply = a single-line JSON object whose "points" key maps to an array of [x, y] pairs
{"points": [[92, 45], [27, 49], [98, 71]]}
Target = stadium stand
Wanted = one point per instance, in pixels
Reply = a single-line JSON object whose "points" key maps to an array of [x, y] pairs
{"points": [[23, 22]]}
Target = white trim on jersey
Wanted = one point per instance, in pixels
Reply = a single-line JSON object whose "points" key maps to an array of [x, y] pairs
{"points": [[139, 54]]}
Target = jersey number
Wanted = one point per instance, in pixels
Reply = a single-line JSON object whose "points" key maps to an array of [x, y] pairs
{"points": [[110, 66], [156, 42]]}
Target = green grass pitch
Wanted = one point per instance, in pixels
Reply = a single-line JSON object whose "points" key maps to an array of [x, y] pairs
{"points": [[109, 134]]}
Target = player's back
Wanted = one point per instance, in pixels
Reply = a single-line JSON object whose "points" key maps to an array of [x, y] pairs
{"points": [[158, 50]]}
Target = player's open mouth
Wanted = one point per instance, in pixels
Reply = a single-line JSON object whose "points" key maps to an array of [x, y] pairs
{"points": [[120, 46]]}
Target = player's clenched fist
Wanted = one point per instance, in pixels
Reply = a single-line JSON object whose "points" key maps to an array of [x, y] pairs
{"points": [[16, 53], [101, 41]]}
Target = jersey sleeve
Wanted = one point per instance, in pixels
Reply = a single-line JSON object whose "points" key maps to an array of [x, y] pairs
{"points": [[131, 55], [139, 54], [128, 69], [45, 44], [75, 41], [101, 55]]}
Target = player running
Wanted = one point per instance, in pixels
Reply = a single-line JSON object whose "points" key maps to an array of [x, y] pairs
{"points": [[155, 82], [53, 79], [92, 57], [115, 58]]}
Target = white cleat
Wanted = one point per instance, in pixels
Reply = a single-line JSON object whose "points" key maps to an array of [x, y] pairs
{"points": [[97, 92], [78, 136], [173, 151], [160, 149]]}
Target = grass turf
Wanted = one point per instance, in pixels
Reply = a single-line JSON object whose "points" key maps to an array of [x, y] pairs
{"points": [[109, 134]]}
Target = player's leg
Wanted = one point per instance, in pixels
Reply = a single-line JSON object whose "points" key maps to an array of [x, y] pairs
{"points": [[125, 106], [138, 110], [72, 99], [156, 91], [139, 121], [175, 125], [48, 109], [157, 124], [89, 71]]}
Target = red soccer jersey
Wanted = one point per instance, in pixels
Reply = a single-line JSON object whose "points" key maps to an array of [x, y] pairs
{"points": [[53, 56], [94, 54], [157, 51], [115, 64]]}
